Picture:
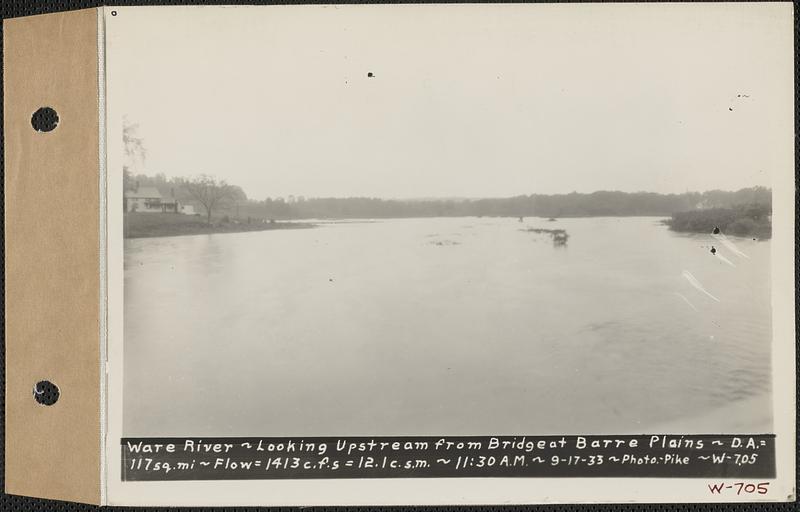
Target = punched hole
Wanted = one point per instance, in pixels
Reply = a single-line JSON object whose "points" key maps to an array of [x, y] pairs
{"points": [[44, 120], [45, 392]]}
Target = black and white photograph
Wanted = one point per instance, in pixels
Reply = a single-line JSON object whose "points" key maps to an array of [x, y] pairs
{"points": [[449, 221]]}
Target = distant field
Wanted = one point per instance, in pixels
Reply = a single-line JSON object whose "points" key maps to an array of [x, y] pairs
{"points": [[144, 225]]}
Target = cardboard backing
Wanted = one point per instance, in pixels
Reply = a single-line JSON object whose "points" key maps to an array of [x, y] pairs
{"points": [[52, 256]]}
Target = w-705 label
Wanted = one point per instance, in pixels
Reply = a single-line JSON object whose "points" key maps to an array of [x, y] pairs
{"points": [[739, 488]]}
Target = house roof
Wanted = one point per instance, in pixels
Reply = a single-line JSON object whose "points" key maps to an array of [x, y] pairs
{"points": [[144, 193]]}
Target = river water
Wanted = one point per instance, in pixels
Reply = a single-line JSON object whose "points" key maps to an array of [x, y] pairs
{"points": [[446, 326]]}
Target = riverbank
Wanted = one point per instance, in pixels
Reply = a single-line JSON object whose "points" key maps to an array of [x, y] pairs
{"points": [[751, 221], [148, 225]]}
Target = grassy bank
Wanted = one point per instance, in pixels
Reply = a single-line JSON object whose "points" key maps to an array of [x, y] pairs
{"points": [[145, 225], [750, 221]]}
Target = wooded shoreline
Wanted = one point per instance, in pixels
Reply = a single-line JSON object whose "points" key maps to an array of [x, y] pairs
{"points": [[744, 220], [749, 222]]}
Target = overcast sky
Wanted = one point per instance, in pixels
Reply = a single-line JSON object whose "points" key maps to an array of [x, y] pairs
{"points": [[466, 101]]}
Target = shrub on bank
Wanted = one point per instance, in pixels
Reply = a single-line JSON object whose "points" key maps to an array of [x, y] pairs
{"points": [[745, 220]]}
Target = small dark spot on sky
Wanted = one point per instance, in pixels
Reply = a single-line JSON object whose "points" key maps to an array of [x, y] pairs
{"points": [[370, 75], [730, 108], [713, 250], [716, 230], [330, 279]]}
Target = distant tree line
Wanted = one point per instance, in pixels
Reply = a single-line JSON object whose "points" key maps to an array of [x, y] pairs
{"points": [[602, 203]]}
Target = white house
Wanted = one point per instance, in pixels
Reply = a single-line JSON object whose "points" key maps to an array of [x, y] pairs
{"points": [[149, 199]]}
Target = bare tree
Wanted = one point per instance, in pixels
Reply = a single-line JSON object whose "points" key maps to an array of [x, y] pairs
{"points": [[209, 192], [133, 144], [135, 154]]}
